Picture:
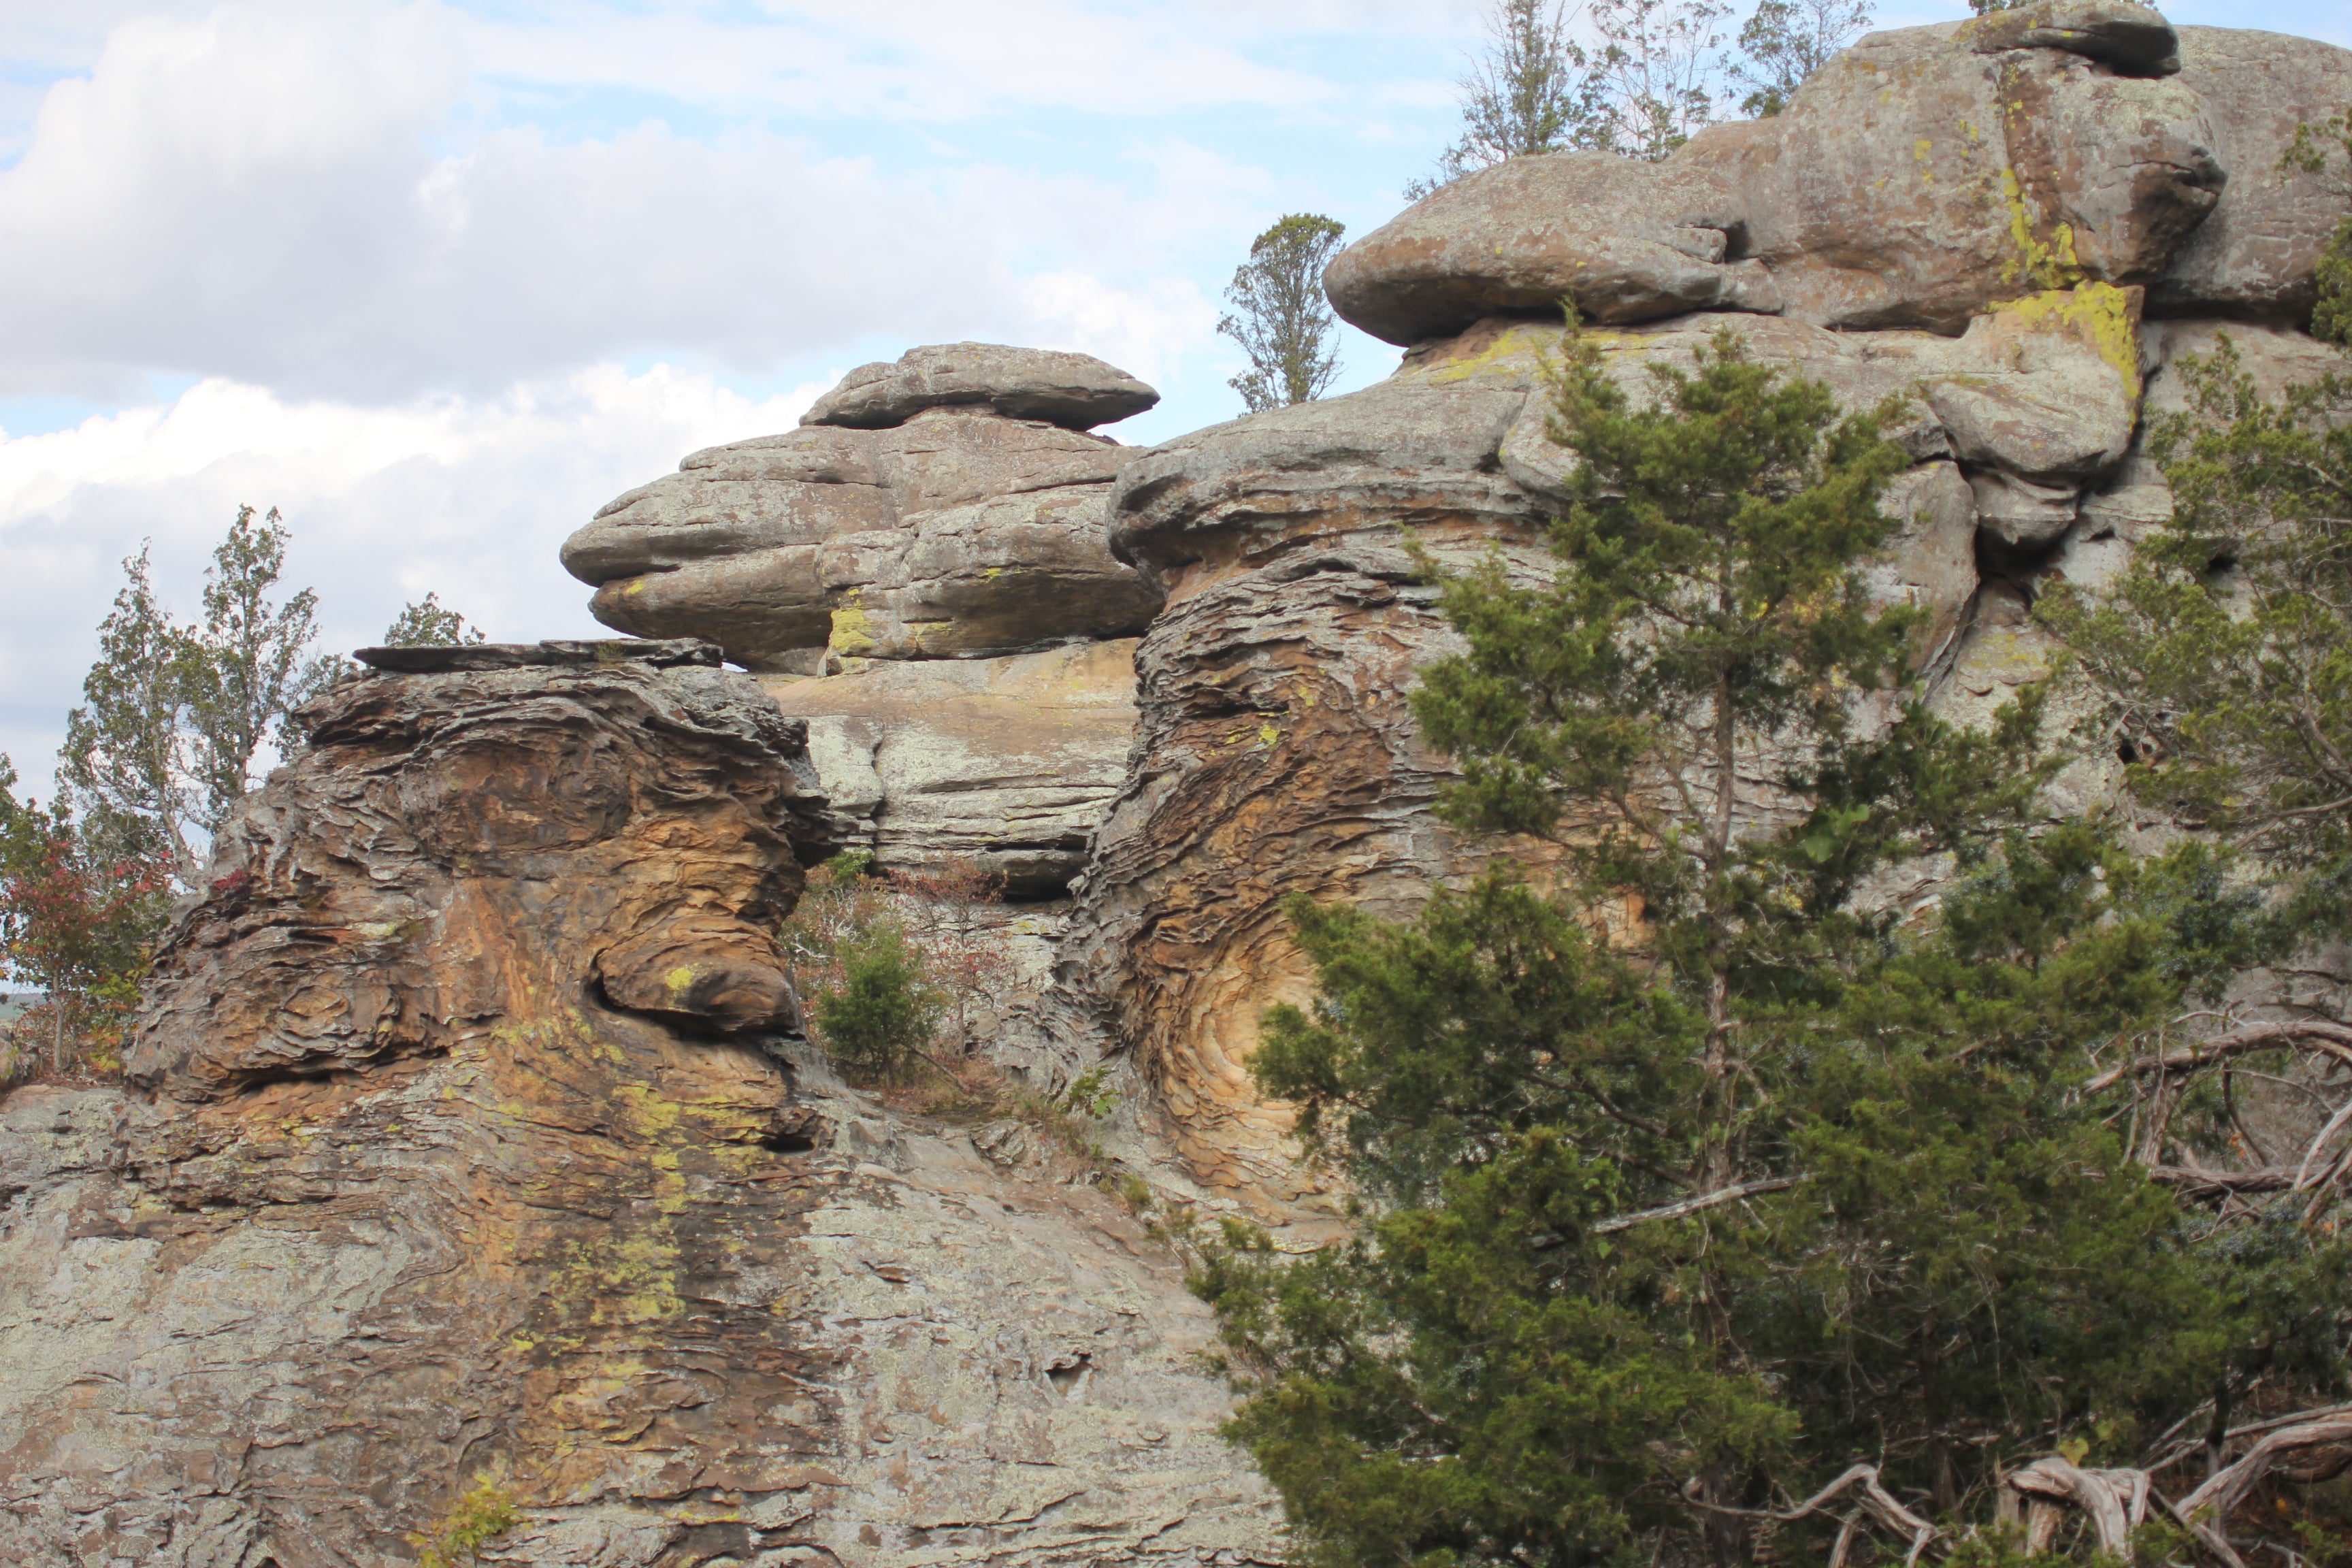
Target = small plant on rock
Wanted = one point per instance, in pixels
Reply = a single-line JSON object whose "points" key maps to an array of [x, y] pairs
{"points": [[472, 1520]]}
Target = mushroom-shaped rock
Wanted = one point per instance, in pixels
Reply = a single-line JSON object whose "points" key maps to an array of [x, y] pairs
{"points": [[953, 530], [1919, 177], [1627, 240], [1075, 391]]}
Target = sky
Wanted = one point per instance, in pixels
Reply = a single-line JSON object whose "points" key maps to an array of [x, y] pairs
{"points": [[437, 279]]}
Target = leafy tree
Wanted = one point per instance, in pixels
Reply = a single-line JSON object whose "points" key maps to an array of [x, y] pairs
{"points": [[176, 715], [1528, 93], [79, 918], [1655, 80], [1708, 1167], [429, 623], [1786, 41], [127, 757], [246, 662], [1280, 317]]}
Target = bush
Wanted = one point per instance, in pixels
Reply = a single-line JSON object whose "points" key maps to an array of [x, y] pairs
{"points": [[878, 1024]]}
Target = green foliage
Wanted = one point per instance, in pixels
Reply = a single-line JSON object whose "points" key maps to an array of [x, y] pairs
{"points": [[2313, 151], [2223, 654], [429, 623], [1786, 41], [1091, 1095], [174, 715], [79, 918], [1529, 93], [473, 1520], [1706, 1166], [1280, 318], [878, 1022]]}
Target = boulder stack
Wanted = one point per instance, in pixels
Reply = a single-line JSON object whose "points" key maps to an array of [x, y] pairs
{"points": [[920, 571]]}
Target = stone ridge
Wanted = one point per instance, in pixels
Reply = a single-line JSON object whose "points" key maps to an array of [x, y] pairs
{"points": [[1075, 391], [434, 659]]}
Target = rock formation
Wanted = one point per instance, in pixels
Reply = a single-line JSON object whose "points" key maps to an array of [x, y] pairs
{"points": [[945, 508], [1998, 202], [466, 1133], [467, 1130]]}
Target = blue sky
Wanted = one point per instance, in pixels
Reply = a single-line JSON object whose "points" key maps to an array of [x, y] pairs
{"points": [[437, 279]]}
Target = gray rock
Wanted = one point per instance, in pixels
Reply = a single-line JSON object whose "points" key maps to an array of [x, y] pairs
{"points": [[674, 653], [961, 532], [1006, 764], [1075, 391], [2133, 38], [2254, 255], [1628, 240], [1913, 181]]}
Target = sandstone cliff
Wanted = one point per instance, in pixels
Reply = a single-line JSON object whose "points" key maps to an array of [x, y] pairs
{"points": [[468, 1133]]}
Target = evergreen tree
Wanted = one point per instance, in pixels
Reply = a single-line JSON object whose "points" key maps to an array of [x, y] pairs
{"points": [[1707, 1168], [429, 623], [1280, 317]]}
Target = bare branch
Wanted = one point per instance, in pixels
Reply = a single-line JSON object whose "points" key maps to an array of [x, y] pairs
{"points": [[1716, 1199], [2335, 1039]]}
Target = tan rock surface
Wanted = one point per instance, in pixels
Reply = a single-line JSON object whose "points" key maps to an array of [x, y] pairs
{"points": [[1008, 763], [404, 1192]]}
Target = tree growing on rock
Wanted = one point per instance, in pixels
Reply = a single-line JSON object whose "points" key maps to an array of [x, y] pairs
{"points": [[428, 623], [1718, 1200], [1528, 93], [176, 715], [1280, 317]]}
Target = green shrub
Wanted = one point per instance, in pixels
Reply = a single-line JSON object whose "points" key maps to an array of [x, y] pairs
{"points": [[878, 1022]]}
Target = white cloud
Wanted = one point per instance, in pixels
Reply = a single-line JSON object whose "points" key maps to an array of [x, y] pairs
{"points": [[253, 193], [470, 498]]}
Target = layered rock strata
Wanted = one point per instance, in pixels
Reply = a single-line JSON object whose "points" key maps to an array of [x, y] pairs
{"points": [[1996, 202], [466, 1135], [920, 571]]}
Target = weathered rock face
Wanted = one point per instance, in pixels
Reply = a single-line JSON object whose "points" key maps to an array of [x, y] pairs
{"points": [[926, 555], [1078, 391], [1275, 752], [1920, 176], [938, 508], [1005, 763], [465, 1136]]}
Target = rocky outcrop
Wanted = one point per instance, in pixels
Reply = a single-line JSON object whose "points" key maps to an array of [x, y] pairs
{"points": [[467, 1136], [1920, 176], [1994, 201], [1006, 765], [920, 571], [934, 508]]}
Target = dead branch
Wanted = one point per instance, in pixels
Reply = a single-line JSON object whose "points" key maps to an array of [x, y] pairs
{"points": [[2335, 1039], [2116, 1502], [2226, 1489], [1676, 1210]]}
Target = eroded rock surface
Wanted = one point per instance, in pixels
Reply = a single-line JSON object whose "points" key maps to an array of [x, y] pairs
{"points": [[938, 508], [466, 1135], [920, 571], [1920, 176]]}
